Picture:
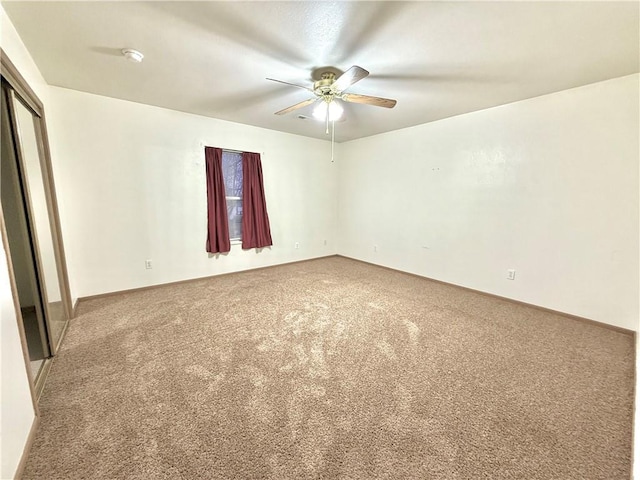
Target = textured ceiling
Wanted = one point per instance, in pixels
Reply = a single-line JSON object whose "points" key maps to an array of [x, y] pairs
{"points": [[438, 59]]}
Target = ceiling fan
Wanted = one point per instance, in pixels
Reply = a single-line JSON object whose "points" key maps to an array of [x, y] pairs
{"points": [[330, 86]]}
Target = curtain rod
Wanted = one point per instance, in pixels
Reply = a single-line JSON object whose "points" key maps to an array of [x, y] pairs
{"points": [[238, 151], [232, 150]]}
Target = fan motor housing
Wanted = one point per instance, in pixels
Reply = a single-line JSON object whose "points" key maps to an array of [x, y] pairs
{"points": [[323, 86]]}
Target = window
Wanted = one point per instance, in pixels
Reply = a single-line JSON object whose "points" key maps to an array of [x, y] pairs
{"points": [[232, 174], [231, 178]]}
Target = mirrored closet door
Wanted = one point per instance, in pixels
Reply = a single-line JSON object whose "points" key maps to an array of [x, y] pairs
{"points": [[31, 228]]}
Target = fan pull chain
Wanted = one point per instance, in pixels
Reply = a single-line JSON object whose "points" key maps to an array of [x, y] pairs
{"points": [[333, 137], [327, 130]]}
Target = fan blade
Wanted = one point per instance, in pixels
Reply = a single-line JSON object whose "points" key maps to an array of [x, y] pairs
{"points": [[348, 78], [296, 106], [292, 84], [366, 99]]}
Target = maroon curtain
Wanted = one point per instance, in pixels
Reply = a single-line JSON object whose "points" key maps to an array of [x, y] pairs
{"points": [[255, 221], [217, 220]]}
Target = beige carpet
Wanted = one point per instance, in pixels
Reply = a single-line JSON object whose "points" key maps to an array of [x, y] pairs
{"points": [[332, 369]]}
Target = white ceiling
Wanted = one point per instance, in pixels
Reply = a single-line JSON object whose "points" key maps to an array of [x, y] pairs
{"points": [[438, 59]]}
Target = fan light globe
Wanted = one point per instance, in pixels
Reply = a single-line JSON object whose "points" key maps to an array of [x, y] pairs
{"points": [[335, 110]]}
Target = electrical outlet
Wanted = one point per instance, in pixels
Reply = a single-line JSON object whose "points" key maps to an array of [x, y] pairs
{"points": [[325, 242], [296, 245], [147, 264], [375, 248], [511, 274]]}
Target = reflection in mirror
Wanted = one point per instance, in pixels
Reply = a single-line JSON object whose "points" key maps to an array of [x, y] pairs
{"points": [[40, 216], [20, 250]]}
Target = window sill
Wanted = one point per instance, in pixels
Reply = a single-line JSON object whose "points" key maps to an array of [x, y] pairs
{"points": [[236, 242]]}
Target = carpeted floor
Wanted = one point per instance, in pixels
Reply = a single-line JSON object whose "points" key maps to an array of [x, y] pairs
{"points": [[332, 369]]}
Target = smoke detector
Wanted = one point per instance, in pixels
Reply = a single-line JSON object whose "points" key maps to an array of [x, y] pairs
{"points": [[132, 55]]}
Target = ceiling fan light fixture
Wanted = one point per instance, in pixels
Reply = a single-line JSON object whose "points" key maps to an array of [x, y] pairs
{"points": [[334, 107], [329, 93]]}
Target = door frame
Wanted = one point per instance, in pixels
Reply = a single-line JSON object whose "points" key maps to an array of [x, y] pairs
{"points": [[21, 91]]}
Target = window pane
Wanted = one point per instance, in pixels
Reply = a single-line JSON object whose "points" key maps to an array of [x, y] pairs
{"points": [[232, 171], [234, 211]]}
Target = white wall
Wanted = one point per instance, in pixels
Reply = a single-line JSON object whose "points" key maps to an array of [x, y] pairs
{"points": [[131, 186], [16, 410], [546, 186]]}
